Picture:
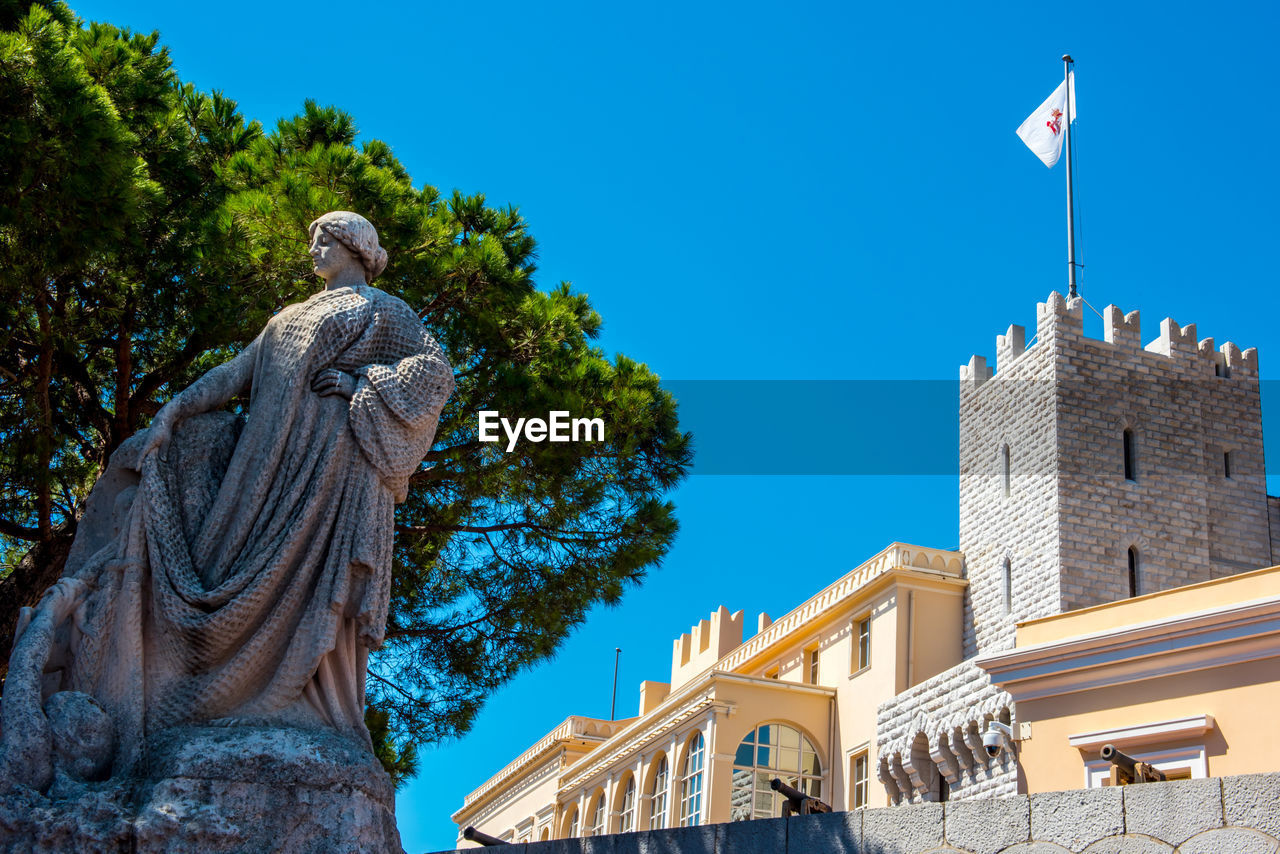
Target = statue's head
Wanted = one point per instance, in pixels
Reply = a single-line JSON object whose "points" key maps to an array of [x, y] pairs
{"points": [[357, 235]]}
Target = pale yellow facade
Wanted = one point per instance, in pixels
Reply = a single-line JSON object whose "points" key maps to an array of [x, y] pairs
{"points": [[803, 692], [1186, 679]]}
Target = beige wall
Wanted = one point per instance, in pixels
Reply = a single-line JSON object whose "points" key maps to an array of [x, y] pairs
{"points": [[1165, 605], [1242, 699], [860, 692], [755, 705], [1209, 649]]}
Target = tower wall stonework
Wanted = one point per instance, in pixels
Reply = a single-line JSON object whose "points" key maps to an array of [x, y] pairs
{"points": [[1066, 514], [1015, 520], [1185, 404]]}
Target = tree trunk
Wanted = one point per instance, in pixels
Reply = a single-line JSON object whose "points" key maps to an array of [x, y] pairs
{"points": [[39, 569]]}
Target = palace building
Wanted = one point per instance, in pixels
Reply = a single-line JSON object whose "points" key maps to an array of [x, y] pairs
{"points": [[1113, 585]]}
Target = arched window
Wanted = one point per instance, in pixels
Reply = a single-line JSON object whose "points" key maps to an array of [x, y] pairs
{"points": [[658, 796], [1007, 580], [691, 783], [595, 813], [1004, 463], [768, 751], [1130, 457], [1133, 571], [627, 817], [573, 822]]}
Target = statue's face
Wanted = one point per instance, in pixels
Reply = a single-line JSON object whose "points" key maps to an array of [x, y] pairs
{"points": [[329, 255]]}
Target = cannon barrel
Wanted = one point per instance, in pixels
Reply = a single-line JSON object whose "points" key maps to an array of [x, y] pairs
{"points": [[470, 834], [1118, 758], [797, 801], [786, 791]]}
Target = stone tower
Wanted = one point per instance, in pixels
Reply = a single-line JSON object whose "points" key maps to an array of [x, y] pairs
{"points": [[1092, 470]]}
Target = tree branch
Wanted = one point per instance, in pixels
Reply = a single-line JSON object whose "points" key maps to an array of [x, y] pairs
{"points": [[19, 532]]}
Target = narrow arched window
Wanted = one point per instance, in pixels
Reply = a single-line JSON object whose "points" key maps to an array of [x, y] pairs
{"points": [[627, 818], [1004, 465], [1226, 464], [1133, 571], [1130, 457], [691, 784], [1007, 586], [573, 822], [595, 825], [658, 796]]}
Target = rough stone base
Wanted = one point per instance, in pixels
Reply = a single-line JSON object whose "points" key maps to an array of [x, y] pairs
{"points": [[223, 790]]}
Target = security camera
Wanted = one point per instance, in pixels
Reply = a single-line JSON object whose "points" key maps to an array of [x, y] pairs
{"points": [[994, 738]]}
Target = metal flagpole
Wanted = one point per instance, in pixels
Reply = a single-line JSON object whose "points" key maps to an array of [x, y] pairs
{"points": [[1067, 62], [613, 706]]}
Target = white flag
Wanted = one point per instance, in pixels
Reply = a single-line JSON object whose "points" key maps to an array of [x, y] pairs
{"points": [[1043, 130]]}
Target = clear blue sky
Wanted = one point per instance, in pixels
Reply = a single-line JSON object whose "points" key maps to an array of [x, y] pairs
{"points": [[830, 192]]}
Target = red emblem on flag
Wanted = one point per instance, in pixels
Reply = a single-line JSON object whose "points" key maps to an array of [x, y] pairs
{"points": [[1056, 124]]}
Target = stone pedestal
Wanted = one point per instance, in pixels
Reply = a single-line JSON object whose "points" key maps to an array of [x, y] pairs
{"points": [[218, 790]]}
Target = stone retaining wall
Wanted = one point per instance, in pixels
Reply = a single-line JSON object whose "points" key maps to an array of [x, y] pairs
{"points": [[1227, 815]]}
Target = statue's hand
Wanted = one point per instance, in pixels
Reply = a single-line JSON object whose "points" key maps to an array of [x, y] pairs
{"points": [[333, 381], [159, 434], [60, 601]]}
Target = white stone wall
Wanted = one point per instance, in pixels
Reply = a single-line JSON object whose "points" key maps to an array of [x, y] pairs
{"points": [[1070, 516], [930, 736], [1186, 403], [1015, 408]]}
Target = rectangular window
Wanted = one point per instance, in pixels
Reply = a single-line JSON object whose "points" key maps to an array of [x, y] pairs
{"points": [[812, 656], [862, 648], [1130, 457], [1180, 763], [1226, 464], [858, 781]]}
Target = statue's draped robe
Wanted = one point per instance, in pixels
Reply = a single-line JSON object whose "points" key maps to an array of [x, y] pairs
{"points": [[256, 597]]}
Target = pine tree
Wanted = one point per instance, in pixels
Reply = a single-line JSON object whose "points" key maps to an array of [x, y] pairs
{"points": [[149, 232]]}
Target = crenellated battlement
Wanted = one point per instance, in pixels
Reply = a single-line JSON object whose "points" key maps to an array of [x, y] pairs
{"points": [[1058, 315], [704, 644], [1122, 329], [1059, 318], [1174, 340], [1010, 345]]}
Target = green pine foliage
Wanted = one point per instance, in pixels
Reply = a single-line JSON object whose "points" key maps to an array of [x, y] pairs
{"points": [[148, 231]]}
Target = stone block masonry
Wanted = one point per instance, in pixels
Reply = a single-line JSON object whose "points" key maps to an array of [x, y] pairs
{"points": [[1049, 508], [929, 737], [1227, 814]]}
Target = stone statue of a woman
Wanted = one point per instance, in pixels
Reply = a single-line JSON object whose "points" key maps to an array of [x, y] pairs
{"points": [[235, 572]]}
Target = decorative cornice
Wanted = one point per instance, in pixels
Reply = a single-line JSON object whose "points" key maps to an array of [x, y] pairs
{"points": [[1216, 637], [575, 728], [895, 556], [658, 725], [676, 710], [482, 810], [1158, 731]]}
